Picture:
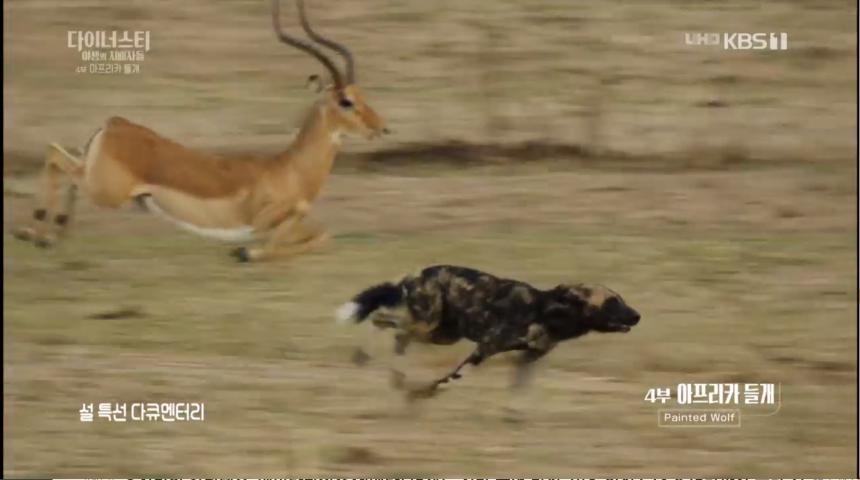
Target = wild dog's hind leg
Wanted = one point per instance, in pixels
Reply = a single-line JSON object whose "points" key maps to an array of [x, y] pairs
{"points": [[58, 163], [398, 360], [371, 347]]}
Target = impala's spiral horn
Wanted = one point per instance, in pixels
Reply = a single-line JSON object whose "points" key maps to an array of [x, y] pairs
{"points": [[306, 47], [337, 47]]}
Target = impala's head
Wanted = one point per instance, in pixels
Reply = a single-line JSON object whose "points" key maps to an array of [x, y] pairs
{"points": [[343, 98]]}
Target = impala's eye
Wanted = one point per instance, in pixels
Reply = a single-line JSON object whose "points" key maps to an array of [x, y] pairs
{"points": [[345, 103]]}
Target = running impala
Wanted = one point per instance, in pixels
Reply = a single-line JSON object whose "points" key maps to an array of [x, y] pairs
{"points": [[264, 201]]}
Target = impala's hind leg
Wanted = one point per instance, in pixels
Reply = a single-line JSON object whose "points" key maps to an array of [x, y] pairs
{"points": [[47, 221], [63, 216]]}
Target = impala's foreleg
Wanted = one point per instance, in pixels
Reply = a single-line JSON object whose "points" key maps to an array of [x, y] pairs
{"points": [[304, 237], [308, 230], [49, 221], [288, 237]]}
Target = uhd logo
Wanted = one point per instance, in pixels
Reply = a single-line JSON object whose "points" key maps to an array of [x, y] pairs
{"points": [[739, 41]]}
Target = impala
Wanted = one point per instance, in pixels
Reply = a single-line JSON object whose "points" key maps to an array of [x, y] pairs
{"points": [[265, 201]]}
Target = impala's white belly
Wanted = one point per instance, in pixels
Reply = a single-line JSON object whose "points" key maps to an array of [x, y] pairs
{"points": [[241, 233]]}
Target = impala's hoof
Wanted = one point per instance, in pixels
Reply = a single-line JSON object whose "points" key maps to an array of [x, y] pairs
{"points": [[23, 233], [241, 254], [44, 242]]}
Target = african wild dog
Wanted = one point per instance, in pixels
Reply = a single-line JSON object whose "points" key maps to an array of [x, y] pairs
{"points": [[443, 304]]}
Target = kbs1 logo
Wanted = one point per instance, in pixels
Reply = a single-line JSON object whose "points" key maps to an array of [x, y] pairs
{"points": [[739, 41]]}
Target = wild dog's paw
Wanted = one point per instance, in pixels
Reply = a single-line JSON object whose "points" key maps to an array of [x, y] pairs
{"points": [[423, 392], [513, 415], [241, 254], [360, 357], [398, 380]]}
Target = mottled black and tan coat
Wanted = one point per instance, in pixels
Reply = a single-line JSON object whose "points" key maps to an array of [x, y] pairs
{"points": [[444, 304]]}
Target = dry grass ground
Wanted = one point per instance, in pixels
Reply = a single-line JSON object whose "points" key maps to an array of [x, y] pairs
{"points": [[732, 229]]}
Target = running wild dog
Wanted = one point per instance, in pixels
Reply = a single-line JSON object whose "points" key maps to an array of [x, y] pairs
{"points": [[444, 304]]}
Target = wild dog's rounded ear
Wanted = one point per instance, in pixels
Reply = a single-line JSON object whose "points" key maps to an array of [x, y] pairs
{"points": [[562, 291], [569, 294], [314, 83], [556, 302]]}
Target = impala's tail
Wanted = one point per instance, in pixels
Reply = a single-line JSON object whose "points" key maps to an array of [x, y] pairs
{"points": [[362, 305]]}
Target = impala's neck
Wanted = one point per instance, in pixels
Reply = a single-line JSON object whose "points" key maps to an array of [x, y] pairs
{"points": [[312, 153]]}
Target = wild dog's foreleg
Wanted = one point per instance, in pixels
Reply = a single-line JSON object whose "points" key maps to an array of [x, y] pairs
{"points": [[519, 397], [475, 358], [538, 343], [536, 340], [429, 390], [524, 368], [57, 163]]}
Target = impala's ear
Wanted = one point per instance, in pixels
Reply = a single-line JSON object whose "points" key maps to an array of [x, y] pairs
{"points": [[314, 83]]}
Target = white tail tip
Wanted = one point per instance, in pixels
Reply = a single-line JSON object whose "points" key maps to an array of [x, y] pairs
{"points": [[346, 313]]}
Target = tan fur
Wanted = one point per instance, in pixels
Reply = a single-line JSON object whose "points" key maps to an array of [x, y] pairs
{"points": [[271, 195], [599, 294], [226, 198]]}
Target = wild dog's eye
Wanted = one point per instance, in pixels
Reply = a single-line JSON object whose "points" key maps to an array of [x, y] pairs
{"points": [[345, 103]]}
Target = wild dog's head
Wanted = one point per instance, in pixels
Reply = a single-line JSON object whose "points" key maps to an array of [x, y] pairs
{"points": [[577, 309]]}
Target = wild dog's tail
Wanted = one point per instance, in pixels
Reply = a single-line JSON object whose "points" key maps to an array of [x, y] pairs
{"points": [[362, 305]]}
